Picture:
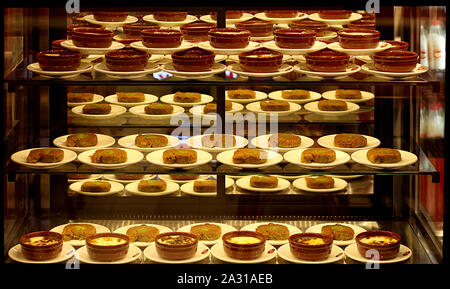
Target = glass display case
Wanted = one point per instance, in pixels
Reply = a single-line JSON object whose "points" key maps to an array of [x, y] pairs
{"points": [[160, 148]]}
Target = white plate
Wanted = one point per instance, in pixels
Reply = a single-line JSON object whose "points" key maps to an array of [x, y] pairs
{"points": [[262, 142], [351, 68], [353, 17], [115, 188], [318, 229], [169, 179], [67, 252], [132, 255], [244, 17], [91, 178], [149, 98], [261, 38], [346, 177], [92, 50], [97, 98], [226, 158], [224, 229], [133, 157], [150, 68], [284, 69], [201, 254], [124, 229], [138, 45], [327, 141], [169, 99], [294, 157], [151, 19], [196, 143], [156, 158], [336, 255], [299, 16], [114, 179], [351, 251], [365, 96], [217, 68], [244, 183], [252, 45], [292, 230], [259, 95], [313, 107], [339, 185], [90, 18], [103, 141], [365, 58], [129, 142], [277, 95], [188, 189], [198, 111], [79, 243], [255, 107], [407, 159], [132, 188], [84, 67], [139, 111], [318, 45], [20, 157], [218, 252], [370, 69], [356, 52], [116, 110]]}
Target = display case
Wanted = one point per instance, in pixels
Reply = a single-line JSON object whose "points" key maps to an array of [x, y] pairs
{"points": [[125, 179]]}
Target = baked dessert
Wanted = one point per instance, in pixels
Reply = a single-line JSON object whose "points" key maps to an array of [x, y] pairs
{"points": [[207, 232], [212, 107], [41, 245], [97, 108], [261, 60], [383, 156], [350, 140], [332, 105], [107, 246], [176, 245], [280, 13], [142, 233], [327, 60], [395, 60], [310, 246], [126, 60], [92, 37], [193, 60], [386, 243], [358, 38], [196, 31], [241, 94], [275, 232], [362, 24], [161, 38], [294, 38], [338, 232], [243, 245], [81, 140], [110, 16], [321, 28], [284, 140], [80, 97], [348, 94], [257, 27], [84, 24], [319, 182], [133, 30], [151, 141], [231, 14], [263, 182], [158, 108], [128, 177], [78, 176], [59, 60], [184, 177], [179, 156], [274, 105], [109, 156], [130, 96], [295, 94], [77, 231], [397, 45], [205, 186], [250, 156], [152, 186], [169, 15], [218, 140], [229, 38], [335, 14], [95, 186], [318, 155], [45, 155], [186, 97]]}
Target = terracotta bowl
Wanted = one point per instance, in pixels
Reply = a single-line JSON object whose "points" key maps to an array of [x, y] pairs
{"points": [[110, 16], [302, 250], [326, 60], [197, 31], [395, 61], [229, 38], [293, 38], [386, 251], [133, 30], [232, 14], [34, 250], [81, 25], [92, 37], [59, 60], [107, 252], [335, 14], [257, 27], [398, 45], [321, 28], [280, 13], [193, 59], [126, 60], [243, 251], [184, 247], [261, 60], [161, 38], [358, 38], [169, 16]]}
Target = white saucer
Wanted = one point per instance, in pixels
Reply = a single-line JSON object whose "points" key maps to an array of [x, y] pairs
{"points": [[112, 25], [353, 17], [156, 158], [67, 252], [329, 35], [20, 157], [318, 45], [351, 251], [339, 185], [132, 188], [407, 159], [225, 228], [116, 110], [292, 230], [370, 69], [169, 179], [218, 252], [365, 96], [138, 45], [149, 98], [133, 254], [336, 255], [133, 157], [201, 254], [255, 107], [262, 142], [139, 111], [313, 107], [92, 50], [129, 142], [244, 17], [196, 143], [113, 178], [299, 16], [259, 95], [96, 99], [358, 52], [318, 229], [294, 157], [351, 68], [103, 141], [226, 158], [84, 67], [188, 189], [198, 111], [115, 188], [277, 95], [217, 68], [244, 183], [151, 19], [150, 68], [124, 229], [327, 141], [79, 243], [284, 69], [169, 99], [252, 45]]}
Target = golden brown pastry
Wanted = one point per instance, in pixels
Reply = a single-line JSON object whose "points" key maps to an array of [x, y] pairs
{"points": [[332, 105], [318, 155], [284, 140], [350, 140], [81, 140], [348, 94], [263, 181], [47, 155], [109, 156], [250, 156], [130, 96], [296, 94], [384, 156], [319, 182], [179, 156]]}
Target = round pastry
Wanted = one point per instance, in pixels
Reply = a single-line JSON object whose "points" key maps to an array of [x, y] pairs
{"points": [[81, 140], [205, 186], [274, 105], [128, 177], [338, 232], [151, 141], [318, 155], [142, 233], [350, 140], [273, 231], [207, 232], [45, 155], [319, 182], [97, 108], [284, 140], [78, 231], [151, 186], [158, 108], [109, 156], [95, 186], [263, 182], [383, 156]]}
